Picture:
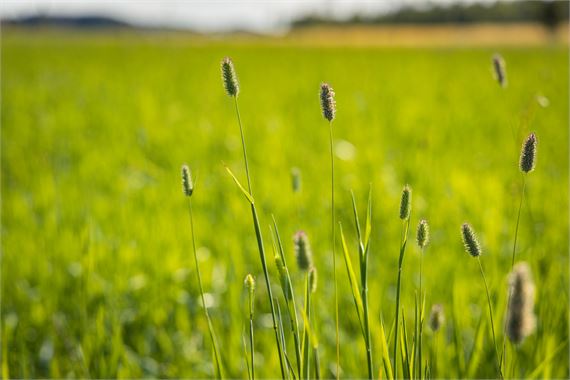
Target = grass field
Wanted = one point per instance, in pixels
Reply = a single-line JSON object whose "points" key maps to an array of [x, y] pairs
{"points": [[98, 277]]}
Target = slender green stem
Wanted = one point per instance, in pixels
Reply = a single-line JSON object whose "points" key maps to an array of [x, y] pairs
{"points": [[517, 225], [260, 246], [210, 325], [289, 295], [331, 141], [306, 340], [251, 345], [363, 262], [403, 241], [317, 362], [421, 317], [433, 369], [490, 316], [368, 335], [367, 338], [504, 352], [243, 147]]}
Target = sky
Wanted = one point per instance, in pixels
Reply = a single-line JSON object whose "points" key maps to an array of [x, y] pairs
{"points": [[208, 16]]}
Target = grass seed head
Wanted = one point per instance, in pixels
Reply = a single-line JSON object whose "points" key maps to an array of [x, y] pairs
{"points": [[229, 77], [328, 104], [422, 235], [249, 283], [521, 321], [499, 69], [470, 240], [528, 154], [406, 203], [296, 179], [303, 251], [436, 317], [187, 183], [313, 279]]}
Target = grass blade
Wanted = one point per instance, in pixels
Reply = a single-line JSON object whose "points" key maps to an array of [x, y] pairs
{"points": [[385, 354], [289, 295], [352, 280], [243, 190]]}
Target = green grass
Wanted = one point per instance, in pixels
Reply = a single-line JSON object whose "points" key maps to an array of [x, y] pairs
{"points": [[98, 278]]}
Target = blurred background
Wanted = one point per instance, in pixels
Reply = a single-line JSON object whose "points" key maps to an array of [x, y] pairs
{"points": [[372, 22], [103, 101]]}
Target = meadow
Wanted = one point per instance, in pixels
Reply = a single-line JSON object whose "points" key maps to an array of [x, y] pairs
{"points": [[97, 275]]}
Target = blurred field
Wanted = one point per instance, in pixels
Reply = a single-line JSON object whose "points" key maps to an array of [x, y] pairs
{"points": [[481, 34], [97, 272]]}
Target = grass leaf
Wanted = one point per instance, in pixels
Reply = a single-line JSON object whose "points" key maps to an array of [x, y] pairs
{"points": [[243, 190], [352, 280]]}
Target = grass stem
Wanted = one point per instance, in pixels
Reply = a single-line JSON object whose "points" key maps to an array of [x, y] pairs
{"points": [[260, 245], [503, 362], [306, 338], [251, 344], [422, 302], [403, 241], [207, 314], [331, 141], [491, 317]]}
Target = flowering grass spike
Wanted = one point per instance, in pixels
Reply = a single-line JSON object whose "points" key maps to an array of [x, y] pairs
{"points": [[528, 154], [470, 240], [328, 104], [500, 71], [229, 77], [187, 183], [436, 317], [422, 236], [303, 251], [406, 203], [521, 321]]}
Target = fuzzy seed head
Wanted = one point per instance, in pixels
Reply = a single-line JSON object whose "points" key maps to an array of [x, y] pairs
{"points": [[436, 317], [249, 283], [406, 203], [470, 240], [528, 154], [422, 236], [499, 69], [187, 183], [229, 77], [296, 179], [328, 104], [303, 251], [521, 320], [313, 279]]}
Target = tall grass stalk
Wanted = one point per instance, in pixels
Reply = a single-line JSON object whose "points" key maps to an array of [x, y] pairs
{"points": [[403, 241], [405, 210], [363, 261], [527, 163], [503, 361], [250, 285], [333, 238], [230, 79], [472, 247], [218, 362], [491, 317], [288, 293], [422, 239], [328, 108], [306, 343]]}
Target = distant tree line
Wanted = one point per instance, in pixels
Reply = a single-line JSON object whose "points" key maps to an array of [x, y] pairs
{"points": [[549, 13]]}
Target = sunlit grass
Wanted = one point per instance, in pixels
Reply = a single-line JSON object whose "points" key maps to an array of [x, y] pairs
{"points": [[96, 275]]}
